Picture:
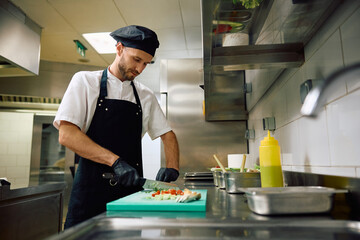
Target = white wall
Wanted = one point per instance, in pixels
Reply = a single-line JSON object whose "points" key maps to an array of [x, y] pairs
{"points": [[15, 147], [330, 143]]}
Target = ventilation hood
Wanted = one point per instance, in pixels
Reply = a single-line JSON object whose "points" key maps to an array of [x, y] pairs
{"points": [[236, 39], [19, 42]]}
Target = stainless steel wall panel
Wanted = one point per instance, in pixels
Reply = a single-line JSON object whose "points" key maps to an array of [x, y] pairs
{"points": [[198, 139]]}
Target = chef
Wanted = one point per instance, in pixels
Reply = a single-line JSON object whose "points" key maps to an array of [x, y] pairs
{"points": [[102, 118]]}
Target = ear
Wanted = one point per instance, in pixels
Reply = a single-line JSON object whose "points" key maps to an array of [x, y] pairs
{"points": [[119, 48]]}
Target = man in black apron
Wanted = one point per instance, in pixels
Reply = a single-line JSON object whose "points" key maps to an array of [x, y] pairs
{"points": [[112, 143]]}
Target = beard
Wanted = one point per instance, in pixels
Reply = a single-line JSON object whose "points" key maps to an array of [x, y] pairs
{"points": [[126, 73]]}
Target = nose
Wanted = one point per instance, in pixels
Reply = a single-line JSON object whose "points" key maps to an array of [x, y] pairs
{"points": [[140, 67]]}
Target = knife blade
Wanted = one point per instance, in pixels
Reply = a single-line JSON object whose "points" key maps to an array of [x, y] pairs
{"points": [[147, 183], [151, 184]]}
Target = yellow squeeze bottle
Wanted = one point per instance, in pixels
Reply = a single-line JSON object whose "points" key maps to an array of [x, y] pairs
{"points": [[270, 163]]}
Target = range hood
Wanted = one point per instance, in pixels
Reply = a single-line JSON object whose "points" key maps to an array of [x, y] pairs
{"points": [[236, 39], [19, 42]]}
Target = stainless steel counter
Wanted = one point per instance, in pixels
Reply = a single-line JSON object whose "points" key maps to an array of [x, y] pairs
{"points": [[227, 216]]}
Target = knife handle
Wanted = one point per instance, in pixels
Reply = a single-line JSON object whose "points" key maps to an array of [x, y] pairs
{"points": [[142, 181]]}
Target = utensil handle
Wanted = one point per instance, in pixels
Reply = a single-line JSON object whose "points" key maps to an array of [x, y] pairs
{"points": [[218, 162], [243, 163]]}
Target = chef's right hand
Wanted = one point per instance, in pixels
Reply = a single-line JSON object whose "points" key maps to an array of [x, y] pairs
{"points": [[125, 174]]}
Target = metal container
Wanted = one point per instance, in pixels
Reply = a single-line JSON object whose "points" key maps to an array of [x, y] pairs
{"points": [[198, 176], [234, 181], [221, 180], [216, 176], [195, 179], [290, 200]]}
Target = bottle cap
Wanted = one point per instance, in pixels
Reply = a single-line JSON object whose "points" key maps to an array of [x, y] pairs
{"points": [[269, 141]]}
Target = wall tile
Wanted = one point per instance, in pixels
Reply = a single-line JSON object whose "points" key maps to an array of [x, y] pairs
{"points": [[343, 127], [19, 148], [21, 182], [353, 84], [289, 141], [278, 107], [350, 35], [324, 62], [350, 40], [4, 124], [2, 172], [3, 147], [317, 148], [7, 160], [8, 137], [16, 172], [261, 80], [22, 160], [293, 100], [313, 142], [332, 24], [254, 151], [15, 157], [335, 171]]}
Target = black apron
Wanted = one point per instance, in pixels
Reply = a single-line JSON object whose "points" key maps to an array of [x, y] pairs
{"points": [[116, 126]]}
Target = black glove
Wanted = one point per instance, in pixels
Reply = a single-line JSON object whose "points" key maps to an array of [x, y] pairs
{"points": [[125, 174], [167, 174]]}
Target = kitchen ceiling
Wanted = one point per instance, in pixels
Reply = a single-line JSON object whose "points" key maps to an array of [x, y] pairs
{"points": [[177, 23]]}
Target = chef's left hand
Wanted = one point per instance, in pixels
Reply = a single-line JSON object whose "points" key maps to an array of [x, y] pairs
{"points": [[167, 174]]}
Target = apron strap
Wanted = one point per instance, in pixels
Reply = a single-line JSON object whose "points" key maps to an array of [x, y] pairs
{"points": [[103, 88], [136, 97]]}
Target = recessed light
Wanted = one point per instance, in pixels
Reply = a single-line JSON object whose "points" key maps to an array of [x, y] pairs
{"points": [[102, 42]]}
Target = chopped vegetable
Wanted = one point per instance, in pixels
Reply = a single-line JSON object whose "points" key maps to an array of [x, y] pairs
{"points": [[248, 3], [169, 194]]}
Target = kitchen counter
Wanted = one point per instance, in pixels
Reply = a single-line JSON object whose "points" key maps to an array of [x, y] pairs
{"points": [[227, 216]]}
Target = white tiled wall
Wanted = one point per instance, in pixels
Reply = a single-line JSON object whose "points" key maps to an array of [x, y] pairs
{"points": [[330, 143], [15, 147]]}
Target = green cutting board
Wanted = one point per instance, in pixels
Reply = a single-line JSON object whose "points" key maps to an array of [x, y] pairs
{"points": [[138, 202]]}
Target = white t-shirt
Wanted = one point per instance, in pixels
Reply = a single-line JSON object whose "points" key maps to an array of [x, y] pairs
{"points": [[79, 102]]}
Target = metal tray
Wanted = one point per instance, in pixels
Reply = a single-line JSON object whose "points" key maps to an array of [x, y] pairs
{"points": [[290, 200], [198, 174]]}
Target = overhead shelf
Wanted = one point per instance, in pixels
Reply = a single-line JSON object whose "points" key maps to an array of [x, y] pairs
{"points": [[237, 58], [271, 38]]}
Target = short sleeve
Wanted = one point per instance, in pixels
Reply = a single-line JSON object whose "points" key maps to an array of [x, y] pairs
{"points": [[157, 124], [73, 107]]}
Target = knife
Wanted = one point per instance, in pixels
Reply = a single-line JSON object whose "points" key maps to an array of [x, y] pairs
{"points": [[145, 183], [151, 184]]}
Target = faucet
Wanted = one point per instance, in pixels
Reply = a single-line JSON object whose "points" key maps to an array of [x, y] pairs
{"points": [[317, 96]]}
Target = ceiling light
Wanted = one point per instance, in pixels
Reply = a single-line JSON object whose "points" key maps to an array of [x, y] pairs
{"points": [[102, 42]]}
